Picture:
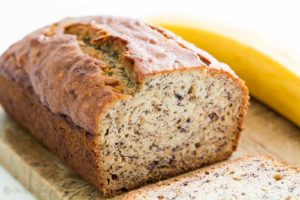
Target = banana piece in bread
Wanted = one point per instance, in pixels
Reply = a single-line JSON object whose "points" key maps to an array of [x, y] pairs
{"points": [[123, 102]]}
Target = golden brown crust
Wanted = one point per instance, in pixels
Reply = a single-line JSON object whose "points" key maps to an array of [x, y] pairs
{"points": [[73, 144], [70, 82]]}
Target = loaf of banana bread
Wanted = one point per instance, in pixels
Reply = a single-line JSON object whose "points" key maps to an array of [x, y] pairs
{"points": [[254, 177], [123, 102]]}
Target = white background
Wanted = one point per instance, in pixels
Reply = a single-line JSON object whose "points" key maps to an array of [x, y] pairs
{"points": [[277, 21]]}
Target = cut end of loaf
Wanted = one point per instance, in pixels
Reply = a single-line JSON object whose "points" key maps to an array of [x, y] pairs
{"points": [[177, 122]]}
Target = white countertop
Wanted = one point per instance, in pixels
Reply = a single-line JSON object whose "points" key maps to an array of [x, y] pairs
{"points": [[11, 189]]}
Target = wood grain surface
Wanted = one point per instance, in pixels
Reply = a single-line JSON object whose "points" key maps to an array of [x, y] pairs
{"points": [[46, 176]]}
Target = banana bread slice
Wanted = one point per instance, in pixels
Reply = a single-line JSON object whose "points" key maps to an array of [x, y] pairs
{"points": [[123, 102], [257, 177]]}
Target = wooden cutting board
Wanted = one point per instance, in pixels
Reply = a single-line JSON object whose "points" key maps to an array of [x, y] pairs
{"points": [[45, 175]]}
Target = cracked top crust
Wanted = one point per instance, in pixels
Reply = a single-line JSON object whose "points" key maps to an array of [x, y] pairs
{"points": [[74, 72]]}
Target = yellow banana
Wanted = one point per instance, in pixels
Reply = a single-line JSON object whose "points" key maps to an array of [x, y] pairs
{"points": [[272, 76]]}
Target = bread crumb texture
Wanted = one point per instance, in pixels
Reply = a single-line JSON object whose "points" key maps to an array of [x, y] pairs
{"points": [[247, 178], [178, 122]]}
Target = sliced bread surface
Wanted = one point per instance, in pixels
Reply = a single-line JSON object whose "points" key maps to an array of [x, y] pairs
{"points": [[256, 177]]}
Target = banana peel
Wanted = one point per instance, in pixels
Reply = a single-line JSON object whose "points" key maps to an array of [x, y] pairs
{"points": [[272, 75]]}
